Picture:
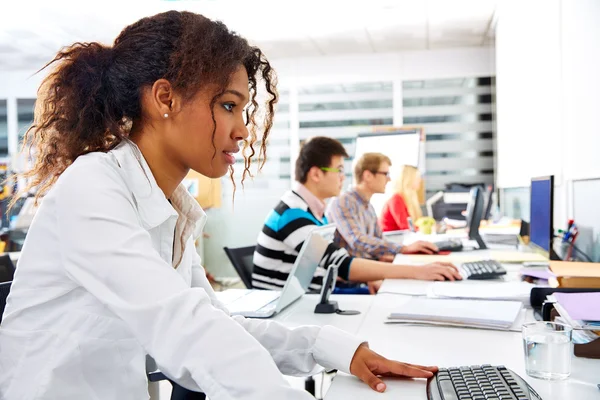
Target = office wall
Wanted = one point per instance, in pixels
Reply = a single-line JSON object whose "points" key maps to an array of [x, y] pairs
{"points": [[409, 65], [547, 58], [20, 84], [528, 91], [587, 216], [580, 46]]}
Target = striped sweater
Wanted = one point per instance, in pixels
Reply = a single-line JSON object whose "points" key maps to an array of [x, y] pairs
{"points": [[282, 237]]}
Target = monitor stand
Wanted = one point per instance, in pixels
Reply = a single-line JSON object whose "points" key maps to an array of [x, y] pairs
{"points": [[477, 237]]}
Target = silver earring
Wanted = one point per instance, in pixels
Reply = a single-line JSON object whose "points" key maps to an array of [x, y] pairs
{"points": [[166, 115]]}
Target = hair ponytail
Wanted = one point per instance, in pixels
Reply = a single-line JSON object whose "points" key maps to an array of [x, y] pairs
{"points": [[75, 114]]}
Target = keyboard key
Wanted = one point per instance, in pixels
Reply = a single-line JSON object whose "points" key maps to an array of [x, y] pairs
{"points": [[481, 383], [448, 390]]}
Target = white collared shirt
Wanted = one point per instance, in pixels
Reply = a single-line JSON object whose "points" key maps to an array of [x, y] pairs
{"points": [[109, 273]]}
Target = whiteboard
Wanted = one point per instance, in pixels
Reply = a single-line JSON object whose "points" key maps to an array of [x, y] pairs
{"points": [[403, 147]]}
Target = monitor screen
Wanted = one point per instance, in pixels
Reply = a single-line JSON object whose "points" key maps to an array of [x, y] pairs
{"points": [[541, 228], [489, 200], [474, 214], [309, 257]]}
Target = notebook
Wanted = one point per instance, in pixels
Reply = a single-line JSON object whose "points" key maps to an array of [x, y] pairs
{"points": [[488, 314], [580, 306]]}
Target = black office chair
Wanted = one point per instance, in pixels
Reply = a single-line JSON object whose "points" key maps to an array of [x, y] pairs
{"points": [[242, 260], [179, 392], [4, 290], [7, 268]]}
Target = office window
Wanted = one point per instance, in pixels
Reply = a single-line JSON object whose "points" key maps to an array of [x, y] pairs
{"points": [[343, 111], [458, 117], [3, 129], [25, 109]]}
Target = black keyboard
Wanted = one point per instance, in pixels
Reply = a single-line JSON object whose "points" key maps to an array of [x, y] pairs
{"points": [[479, 382], [484, 269], [449, 245]]}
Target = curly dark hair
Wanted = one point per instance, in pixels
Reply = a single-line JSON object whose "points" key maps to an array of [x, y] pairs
{"points": [[90, 100]]}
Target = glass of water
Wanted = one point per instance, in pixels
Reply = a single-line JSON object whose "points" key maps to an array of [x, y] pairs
{"points": [[548, 350]]}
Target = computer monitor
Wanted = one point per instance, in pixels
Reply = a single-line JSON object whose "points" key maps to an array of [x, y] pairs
{"points": [[541, 227], [474, 214], [489, 200]]}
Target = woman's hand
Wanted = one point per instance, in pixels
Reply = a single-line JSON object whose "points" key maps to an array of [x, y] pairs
{"points": [[368, 366]]}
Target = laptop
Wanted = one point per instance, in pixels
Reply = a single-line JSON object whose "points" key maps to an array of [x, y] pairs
{"points": [[255, 303]]}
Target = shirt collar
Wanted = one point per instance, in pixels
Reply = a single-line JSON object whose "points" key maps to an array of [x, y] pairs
{"points": [[316, 206], [359, 196], [151, 202]]}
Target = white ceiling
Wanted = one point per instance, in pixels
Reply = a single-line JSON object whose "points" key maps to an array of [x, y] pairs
{"points": [[30, 33]]}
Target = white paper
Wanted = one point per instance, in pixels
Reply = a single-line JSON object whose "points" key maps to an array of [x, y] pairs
{"points": [[518, 291], [501, 314], [405, 286]]}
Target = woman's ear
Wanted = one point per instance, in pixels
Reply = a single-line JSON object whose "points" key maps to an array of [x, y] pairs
{"points": [[164, 99]]}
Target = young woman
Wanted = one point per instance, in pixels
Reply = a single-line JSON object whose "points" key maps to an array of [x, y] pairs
{"points": [[404, 203], [108, 272]]}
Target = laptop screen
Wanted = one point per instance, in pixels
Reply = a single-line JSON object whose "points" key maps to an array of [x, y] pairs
{"points": [[305, 266]]}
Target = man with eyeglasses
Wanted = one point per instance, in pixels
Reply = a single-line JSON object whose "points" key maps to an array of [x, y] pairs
{"points": [[358, 230], [319, 176]]}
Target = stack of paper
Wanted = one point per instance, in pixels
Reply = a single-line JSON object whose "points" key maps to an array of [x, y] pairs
{"points": [[475, 313], [411, 287], [467, 289], [517, 291]]}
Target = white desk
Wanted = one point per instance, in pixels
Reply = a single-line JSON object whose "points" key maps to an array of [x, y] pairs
{"points": [[302, 312], [445, 347], [453, 347]]}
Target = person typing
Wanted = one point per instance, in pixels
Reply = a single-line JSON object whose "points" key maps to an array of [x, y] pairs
{"points": [[358, 230]]}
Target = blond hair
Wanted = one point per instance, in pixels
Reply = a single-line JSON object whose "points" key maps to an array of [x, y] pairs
{"points": [[405, 186], [369, 162]]}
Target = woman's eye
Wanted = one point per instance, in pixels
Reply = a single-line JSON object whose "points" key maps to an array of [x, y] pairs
{"points": [[229, 106]]}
